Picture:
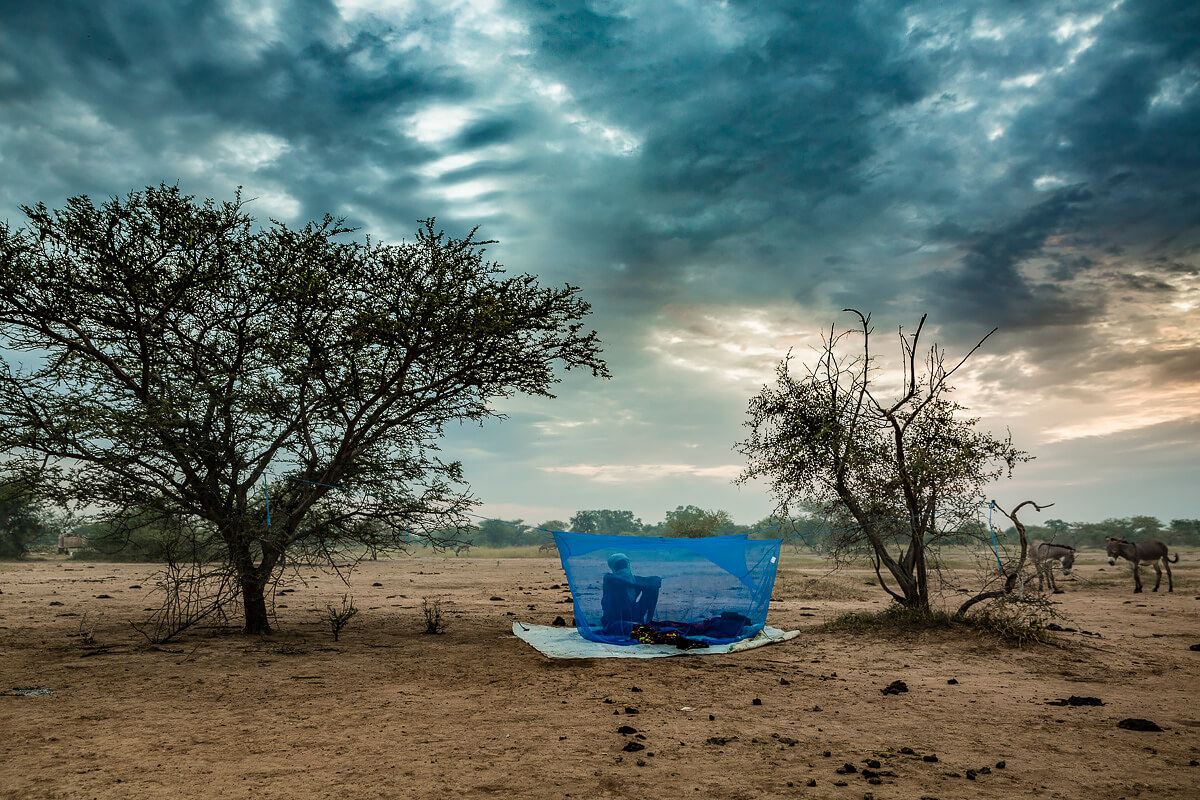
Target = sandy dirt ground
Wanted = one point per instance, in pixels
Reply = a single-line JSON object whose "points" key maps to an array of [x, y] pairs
{"points": [[390, 712]]}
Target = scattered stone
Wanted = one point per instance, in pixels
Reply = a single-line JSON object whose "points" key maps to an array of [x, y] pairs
{"points": [[984, 771], [641, 763], [787, 740], [872, 763], [626, 729], [495, 597], [711, 718], [1001, 764], [895, 687], [811, 782], [633, 747], [28, 691], [840, 783], [135, 586], [1195, 647], [1076, 700], [631, 710], [953, 681], [952, 774], [908, 751], [756, 702], [786, 682], [827, 753], [1194, 763], [721, 740], [1138, 724], [634, 689], [931, 758], [55, 603], [970, 774], [846, 769], [815, 709], [875, 781], [869, 774], [377, 584], [104, 597], [559, 622]]}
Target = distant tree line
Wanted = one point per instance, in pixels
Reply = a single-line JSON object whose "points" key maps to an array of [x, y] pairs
{"points": [[1179, 532], [25, 526]]}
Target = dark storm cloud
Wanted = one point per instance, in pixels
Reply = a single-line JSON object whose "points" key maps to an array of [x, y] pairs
{"points": [[161, 75], [739, 128]]}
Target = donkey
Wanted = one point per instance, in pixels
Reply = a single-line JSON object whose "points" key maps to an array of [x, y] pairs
{"points": [[462, 548], [548, 547], [1044, 554], [1148, 551]]}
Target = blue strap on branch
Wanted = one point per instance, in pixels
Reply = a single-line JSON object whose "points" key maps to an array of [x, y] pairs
{"points": [[995, 547]]}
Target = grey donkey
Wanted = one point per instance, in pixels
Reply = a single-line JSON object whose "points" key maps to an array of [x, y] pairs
{"points": [[1148, 551], [1044, 554]]}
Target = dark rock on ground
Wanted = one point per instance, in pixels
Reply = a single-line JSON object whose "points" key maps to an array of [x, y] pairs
{"points": [[1001, 764], [559, 622], [1076, 700], [811, 782], [895, 687], [952, 681], [971, 774], [931, 758], [1138, 724], [846, 769], [756, 702], [908, 751], [633, 747], [721, 740], [1195, 647], [626, 729], [872, 763], [631, 710]]}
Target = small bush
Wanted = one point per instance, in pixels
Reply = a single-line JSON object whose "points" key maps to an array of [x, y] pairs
{"points": [[339, 618], [435, 621]]}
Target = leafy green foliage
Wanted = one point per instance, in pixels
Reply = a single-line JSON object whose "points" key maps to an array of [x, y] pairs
{"points": [[175, 355], [897, 476], [20, 526]]}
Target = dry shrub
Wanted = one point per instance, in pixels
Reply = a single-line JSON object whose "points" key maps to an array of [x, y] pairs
{"points": [[1016, 622], [435, 620], [339, 618]]}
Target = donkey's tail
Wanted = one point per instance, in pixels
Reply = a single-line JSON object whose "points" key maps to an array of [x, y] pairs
{"points": [[1175, 561]]}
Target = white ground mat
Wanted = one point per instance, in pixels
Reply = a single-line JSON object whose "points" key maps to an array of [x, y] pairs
{"points": [[567, 643]]}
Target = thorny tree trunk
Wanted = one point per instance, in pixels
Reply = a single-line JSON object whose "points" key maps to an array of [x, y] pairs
{"points": [[1010, 579]]}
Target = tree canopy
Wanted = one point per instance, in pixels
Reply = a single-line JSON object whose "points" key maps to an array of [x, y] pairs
{"points": [[168, 355], [906, 472]]}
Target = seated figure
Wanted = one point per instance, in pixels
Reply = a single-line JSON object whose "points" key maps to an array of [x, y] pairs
{"points": [[626, 599]]}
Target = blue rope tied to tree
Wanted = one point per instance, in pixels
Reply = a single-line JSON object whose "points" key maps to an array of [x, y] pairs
{"points": [[995, 550]]}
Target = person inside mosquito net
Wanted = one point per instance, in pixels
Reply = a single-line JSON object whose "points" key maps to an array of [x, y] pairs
{"points": [[626, 599]]}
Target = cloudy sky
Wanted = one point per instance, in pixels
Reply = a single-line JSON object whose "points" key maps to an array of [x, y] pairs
{"points": [[720, 179]]}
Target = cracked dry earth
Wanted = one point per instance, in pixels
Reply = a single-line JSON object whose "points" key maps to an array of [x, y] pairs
{"points": [[388, 712]]}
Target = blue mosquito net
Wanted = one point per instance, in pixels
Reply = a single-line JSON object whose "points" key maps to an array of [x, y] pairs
{"points": [[686, 592]]}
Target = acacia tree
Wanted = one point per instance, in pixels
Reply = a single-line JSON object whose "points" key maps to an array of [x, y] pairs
{"points": [[177, 356], [904, 472]]}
